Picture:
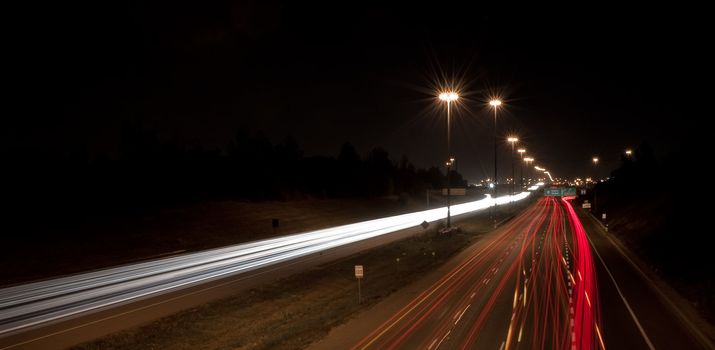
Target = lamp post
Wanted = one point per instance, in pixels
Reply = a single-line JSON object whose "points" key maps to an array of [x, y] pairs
{"points": [[512, 140], [528, 161], [495, 103], [521, 170], [449, 97], [595, 195], [595, 165]]}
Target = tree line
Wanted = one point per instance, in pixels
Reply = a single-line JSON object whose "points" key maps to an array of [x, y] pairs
{"points": [[148, 173]]}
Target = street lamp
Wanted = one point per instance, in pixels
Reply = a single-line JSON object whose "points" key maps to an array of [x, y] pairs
{"points": [[595, 194], [495, 103], [449, 96], [512, 140], [521, 170], [595, 165], [629, 153], [528, 161]]}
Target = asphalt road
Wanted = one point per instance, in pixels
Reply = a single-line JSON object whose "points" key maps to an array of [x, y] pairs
{"points": [[61, 312], [639, 313], [535, 283]]}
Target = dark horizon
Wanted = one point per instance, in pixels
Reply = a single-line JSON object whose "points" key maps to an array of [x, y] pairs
{"points": [[197, 73]]}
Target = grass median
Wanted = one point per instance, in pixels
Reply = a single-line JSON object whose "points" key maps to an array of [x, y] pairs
{"points": [[293, 312]]}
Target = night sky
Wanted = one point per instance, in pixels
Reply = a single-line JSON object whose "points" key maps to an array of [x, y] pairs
{"points": [[576, 81]]}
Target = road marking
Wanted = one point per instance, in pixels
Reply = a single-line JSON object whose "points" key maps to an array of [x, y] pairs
{"points": [[452, 274], [502, 345], [462, 314], [703, 339], [521, 330], [618, 289], [600, 339], [443, 338], [432, 344]]}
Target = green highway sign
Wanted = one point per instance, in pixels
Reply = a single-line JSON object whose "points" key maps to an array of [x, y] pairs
{"points": [[556, 192], [568, 191], [560, 191]]}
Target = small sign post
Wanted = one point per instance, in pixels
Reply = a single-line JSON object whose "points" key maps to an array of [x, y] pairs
{"points": [[358, 276]]}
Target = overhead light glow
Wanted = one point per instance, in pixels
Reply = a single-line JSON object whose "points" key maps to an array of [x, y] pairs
{"points": [[448, 96]]}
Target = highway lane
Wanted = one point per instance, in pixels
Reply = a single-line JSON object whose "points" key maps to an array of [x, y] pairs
{"points": [[530, 286], [637, 314], [41, 314], [550, 279]]}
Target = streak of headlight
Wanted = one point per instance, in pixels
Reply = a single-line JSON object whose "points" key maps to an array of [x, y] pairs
{"points": [[39, 302]]}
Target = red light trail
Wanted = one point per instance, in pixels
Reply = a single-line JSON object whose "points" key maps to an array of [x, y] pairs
{"points": [[531, 285]]}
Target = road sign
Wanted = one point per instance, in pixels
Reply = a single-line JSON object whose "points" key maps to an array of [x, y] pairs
{"points": [[560, 191], [358, 275], [586, 205], [455, 191], [603, 216], [568, 191], [583, 191], [553, 191]]}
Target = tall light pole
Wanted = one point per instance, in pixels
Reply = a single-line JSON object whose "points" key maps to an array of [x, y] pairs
{"points": [[521, 170], [449, 96], [512, 140], [528, 161], [595, 202], [595, 165], [495, 103]]}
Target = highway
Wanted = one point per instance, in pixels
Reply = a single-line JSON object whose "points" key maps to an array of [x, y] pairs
{"points": [[539, 282], [64, 311]]}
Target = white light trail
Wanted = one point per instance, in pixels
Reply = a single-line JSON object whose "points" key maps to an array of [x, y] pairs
{"points": [[35, 303]]}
